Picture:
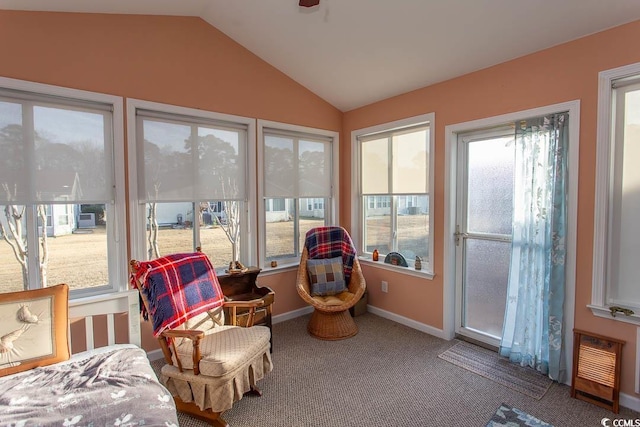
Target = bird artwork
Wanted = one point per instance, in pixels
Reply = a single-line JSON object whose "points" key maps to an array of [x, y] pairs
{"points": [[7, 345]]}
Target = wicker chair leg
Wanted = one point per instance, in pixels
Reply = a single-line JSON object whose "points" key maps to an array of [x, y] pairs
{"points": [[332, 325]]}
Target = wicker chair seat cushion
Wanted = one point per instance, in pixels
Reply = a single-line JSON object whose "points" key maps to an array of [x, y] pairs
{"points": [[225, 349], [332, 300]]}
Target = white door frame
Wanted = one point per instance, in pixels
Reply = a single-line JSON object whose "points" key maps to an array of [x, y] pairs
{"points": [[450, 185]]}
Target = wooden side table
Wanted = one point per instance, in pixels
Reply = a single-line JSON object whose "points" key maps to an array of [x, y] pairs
{"points": [[244, 287]]}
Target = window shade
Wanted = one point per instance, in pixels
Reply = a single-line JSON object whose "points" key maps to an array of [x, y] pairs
{"points": [[296, 165], [186, 159], [395, 162], [54, 150]]}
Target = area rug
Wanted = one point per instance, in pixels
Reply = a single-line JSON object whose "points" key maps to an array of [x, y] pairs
{"points": [[507, 416], [490, 365]]}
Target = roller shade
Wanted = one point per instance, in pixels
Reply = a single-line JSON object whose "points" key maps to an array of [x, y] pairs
{"points": [[296, 165], [187, 158], [395, 162], [54, 150]]}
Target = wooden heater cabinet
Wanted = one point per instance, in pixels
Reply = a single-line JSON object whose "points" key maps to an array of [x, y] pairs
{"points": [[244, 287], [596, 369]]}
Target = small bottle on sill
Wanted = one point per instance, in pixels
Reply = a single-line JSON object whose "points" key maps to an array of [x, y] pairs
{"points": [[375, 255]]}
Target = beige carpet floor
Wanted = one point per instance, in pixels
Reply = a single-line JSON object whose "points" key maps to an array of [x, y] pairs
{"points": [[388, 374]]}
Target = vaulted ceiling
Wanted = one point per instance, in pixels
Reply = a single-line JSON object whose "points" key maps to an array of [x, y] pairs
{"points": [[355, 52]]}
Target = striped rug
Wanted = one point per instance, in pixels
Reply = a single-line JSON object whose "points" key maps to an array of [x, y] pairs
{"points": [[490, 365]]}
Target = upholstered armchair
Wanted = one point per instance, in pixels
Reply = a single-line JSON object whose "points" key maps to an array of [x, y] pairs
{"points": [[209, 365], [330, 279]]}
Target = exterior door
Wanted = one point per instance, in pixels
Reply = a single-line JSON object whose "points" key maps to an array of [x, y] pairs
{"points": [[483, 232]]}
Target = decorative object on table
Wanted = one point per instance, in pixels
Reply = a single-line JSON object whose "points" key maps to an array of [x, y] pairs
{"points": [[508, 416], [418, 264], [236, 267], [396, 258], [596, 369], [375, 255]]}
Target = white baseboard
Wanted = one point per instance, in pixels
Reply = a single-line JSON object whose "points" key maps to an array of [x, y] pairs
{"points": [[292, 314], [422, 327], [631, 402]]}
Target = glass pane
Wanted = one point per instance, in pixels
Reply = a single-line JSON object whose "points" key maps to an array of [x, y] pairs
{"points": [[375, 166], [170, 229], [490, 186], [279, 163], [78, 255], [75, 245], [11, 272], [167, 161], [221, 164], [312, 214], [486, 273], [413, 226], [280, 230], [377, 224], [72, 156], [314, 168], [624, 289], [13, 171], [411, 162]]}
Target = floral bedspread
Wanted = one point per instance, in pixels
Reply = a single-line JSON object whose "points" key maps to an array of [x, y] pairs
{"points": [[111, 386]]}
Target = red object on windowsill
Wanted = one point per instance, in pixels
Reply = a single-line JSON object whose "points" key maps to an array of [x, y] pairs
{"points": [[309, 3]]}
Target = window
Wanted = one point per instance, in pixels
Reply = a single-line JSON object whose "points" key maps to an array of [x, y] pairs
{"points": [[189, 174], [394, 189], [60, 150], [616, 232], [299, 175]]}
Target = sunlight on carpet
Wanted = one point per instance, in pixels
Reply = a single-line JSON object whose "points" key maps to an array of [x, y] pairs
{"points": [[490, 365]]}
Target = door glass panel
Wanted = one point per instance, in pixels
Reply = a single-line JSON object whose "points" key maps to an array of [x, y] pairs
{"points": [[490, 186], [485, 285]]}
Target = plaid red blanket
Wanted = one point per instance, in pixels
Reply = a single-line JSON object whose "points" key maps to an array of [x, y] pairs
{"points": [[331, 242], [178, 287]]}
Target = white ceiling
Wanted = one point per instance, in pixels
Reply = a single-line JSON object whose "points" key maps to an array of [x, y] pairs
{"points": [[355, 52]]}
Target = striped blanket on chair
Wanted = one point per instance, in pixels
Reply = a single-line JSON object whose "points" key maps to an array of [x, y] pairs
{"points": [[331, 242], [178, 287]]}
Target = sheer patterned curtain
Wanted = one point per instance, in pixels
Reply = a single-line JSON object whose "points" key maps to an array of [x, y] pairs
{"points": [[532, 334]]}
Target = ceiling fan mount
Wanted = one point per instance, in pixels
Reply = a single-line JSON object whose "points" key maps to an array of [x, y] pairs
{"points": [[308, 3]]}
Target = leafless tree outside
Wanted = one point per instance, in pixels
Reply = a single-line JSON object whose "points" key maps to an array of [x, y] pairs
{"points": [[12, 233]]}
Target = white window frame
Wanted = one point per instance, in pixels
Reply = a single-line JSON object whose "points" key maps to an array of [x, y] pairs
{"points": [[604, 193], [116, 239], [357, 211], [137, 210], [332, 210]]}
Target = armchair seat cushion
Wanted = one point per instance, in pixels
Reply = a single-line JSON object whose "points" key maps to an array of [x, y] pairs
{"points": [[331, 300], [226, 349]]}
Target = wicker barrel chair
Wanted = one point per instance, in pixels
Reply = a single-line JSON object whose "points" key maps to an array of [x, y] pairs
{"points": [[330, 319]]}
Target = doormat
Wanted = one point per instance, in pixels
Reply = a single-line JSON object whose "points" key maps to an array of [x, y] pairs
{"points": [[507, 416], [490, 365]]}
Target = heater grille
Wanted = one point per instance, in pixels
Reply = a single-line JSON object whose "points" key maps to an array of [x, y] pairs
{"points": [[596, 369]]}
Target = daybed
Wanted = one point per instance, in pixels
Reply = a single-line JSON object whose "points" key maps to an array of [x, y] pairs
{"points": [[42, 385]]}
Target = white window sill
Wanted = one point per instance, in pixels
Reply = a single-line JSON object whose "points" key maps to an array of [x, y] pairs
{"points": [[409, 271], [281, 268], [604, 312]]}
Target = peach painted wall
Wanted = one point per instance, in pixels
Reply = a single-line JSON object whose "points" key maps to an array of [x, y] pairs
{"points": [[563, 73], [175, 60]]}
